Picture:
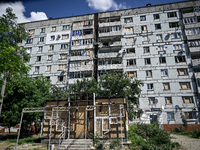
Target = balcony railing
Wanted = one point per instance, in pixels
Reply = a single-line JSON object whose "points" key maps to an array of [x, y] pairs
{"points": [[196, 62]]}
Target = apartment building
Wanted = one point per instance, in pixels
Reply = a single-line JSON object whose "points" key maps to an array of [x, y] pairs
{"points": [[159, 45]]}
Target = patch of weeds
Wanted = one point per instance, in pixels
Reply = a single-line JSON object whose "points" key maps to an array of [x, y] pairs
{"points": [[115, 144]]}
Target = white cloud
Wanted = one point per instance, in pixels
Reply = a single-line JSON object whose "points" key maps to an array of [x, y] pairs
{"points": [[19, 9], [104, 5]]}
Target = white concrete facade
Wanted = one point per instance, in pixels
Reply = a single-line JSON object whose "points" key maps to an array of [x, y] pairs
{"points": [[149, 43]]}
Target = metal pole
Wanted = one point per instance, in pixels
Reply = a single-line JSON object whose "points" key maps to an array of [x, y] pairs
{"points": [[50, 129], [94, 103], [121, 126], [19, 128], [85, 125]]}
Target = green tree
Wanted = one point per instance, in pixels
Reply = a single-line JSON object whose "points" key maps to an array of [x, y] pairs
{"points": [[23, 92], [118, 84], [13, 57]]}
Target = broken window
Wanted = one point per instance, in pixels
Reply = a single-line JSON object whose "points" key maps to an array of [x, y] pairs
{"points": [[28, 50], [51, 47], [168, 100], [41, 39], [65, 36], [182, 71], [32, 31], [130, 62], [144, 28], [61, 78], [40, 48], [185, 85], [176, 35], [62, 67], [38, 58], [132, 74], [166, 86], [64, 46], [159, 37], [148, 73], [150, 86], [128, 29], [147, 61], [145, 39], [187, 99], [170, 115], [146, 49], [156, 16], [53, 29], [128, 20], [173, 25], [143, 18], [52, 37], [151, 100], [157, 26], [162, 60], [48, 68], [37, 68], [171, 14], [87, 32], [179, 59], [63, 56], [42, 30], [66, 27], [76, 53], [190, 115], [130, 51], [161, 48], [29, 41], [164, 72], [178, 47], [50, 57]]}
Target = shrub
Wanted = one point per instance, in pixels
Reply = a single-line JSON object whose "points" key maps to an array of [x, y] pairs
{"points": [[145, 137], [178, 129], [196, 133], [115, 144]]}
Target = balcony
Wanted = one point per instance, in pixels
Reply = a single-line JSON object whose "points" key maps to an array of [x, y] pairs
{"points": [[108, 55], [114, 33], [196, 62], [110, 24], [81, 68], [191, 14], [110, 44], [76, 47], [75, 58], [193, 37], [110, 67], [194, 49]]}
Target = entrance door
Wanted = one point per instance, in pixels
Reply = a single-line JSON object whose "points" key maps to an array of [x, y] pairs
{"points": [[80, 123], [153, 118]]}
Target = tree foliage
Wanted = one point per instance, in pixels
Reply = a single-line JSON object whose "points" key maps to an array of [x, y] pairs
{"points": [[13, 57], [118, 84], [146, 137], [23, 92]]}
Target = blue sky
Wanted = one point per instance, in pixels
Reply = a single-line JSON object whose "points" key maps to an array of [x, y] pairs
{"points": [[31, 10]]}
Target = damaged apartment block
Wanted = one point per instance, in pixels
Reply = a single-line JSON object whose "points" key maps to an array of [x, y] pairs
{"points": [[159, 45]]}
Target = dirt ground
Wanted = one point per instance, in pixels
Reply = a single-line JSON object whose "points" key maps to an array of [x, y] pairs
{"points": [[186, 143]]}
